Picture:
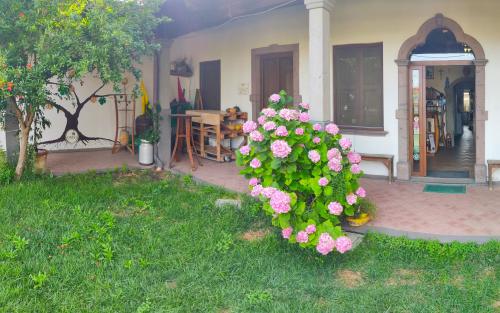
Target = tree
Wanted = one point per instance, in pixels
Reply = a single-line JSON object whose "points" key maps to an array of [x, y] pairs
{"points": [[57, 42]]}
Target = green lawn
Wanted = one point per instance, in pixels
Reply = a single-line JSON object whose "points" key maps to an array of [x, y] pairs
{"points": [[139, 243]]}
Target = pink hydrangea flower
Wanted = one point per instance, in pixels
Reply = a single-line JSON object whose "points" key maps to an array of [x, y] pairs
{"points": [[299, 131], [314, 156], [334, 153], [345, 143], [249, 126], [354, 158], [245, 150], [275, 98], [317, 127], [316, 140], [256, 190], [256, 136], [289, 114], [355, 169], [310, 228], [261, 120], [304, 117], [255, 163], [343, 244], [280, 202], [280, 149], [269, 112], [332, 129], [326, 244], [287, 232], [351, 198], [268, 126], [305, 105], [302, 237], [281, 131], [253, 181], [335, 208], [335, 165], [268, 192], [323, 181], [361, 192]]}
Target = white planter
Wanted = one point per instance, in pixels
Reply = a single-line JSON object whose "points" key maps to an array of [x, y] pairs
{"points": [[146, 153]]}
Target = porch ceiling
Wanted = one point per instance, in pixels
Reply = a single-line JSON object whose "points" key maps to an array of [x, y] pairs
{"points": [[192, 15]]}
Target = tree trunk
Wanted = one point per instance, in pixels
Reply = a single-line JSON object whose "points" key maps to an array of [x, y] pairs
{"points": [[23, 152]]}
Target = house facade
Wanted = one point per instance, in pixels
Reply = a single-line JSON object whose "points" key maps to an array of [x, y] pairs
{"points": [[412, 80], [394, 75]]}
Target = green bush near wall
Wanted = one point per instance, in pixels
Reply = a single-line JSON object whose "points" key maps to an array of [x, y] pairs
{"points": [[6, 170]]}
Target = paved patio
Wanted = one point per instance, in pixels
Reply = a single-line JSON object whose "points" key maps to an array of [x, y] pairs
{"points": [[403, 208]]}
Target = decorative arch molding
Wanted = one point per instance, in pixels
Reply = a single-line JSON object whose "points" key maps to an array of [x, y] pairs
{"points": [[480, 116]]}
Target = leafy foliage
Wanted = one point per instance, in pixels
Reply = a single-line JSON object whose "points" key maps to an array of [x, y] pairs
{"points": [[304, 175]]}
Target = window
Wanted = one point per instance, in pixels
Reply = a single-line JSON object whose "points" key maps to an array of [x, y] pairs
{"points": [[358, 85]]}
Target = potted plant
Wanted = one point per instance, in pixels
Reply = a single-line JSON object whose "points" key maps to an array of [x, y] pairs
{"points": [[364, 213], [150, 136]]}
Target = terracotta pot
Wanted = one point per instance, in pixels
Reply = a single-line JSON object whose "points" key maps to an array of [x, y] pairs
{"points": [[41, 160]]}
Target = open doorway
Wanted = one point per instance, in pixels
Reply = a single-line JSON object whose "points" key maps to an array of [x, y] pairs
{"points": [[450, 121]]}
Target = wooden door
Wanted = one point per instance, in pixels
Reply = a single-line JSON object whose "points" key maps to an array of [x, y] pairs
{"points": [[210, 84], [417, 121], [276, 75]]}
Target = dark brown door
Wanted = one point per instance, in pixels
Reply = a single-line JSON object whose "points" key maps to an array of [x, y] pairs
{"points": [[210, 84], [276, 75]]}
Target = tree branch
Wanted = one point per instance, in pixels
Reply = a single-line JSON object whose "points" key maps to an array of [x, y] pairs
{"points": [[59, 107]]}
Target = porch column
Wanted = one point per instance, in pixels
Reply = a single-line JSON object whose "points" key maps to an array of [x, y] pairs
{"points": [[162, 91], [11, 135], [480, 121], [403, 166], [319, 58]]}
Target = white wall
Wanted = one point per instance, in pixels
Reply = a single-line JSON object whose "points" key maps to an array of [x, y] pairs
{"points": [[95, 120], [2, 139], [353, 21]]}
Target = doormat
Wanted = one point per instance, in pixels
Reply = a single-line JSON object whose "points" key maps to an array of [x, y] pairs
{"points": [[453, 189], [448, 174]]}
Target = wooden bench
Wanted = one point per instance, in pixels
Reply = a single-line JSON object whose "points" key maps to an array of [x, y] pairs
{"points": [[387, 159], [492, 164]]}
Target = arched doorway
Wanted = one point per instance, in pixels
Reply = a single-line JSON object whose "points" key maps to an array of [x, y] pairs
{"points": [[411, 71]]}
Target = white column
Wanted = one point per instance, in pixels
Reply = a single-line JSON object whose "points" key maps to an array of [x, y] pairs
{"points": [[162, 91], [319, 58]]}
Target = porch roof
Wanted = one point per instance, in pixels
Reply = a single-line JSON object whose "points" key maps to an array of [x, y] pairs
{"points": [[192, 15]]}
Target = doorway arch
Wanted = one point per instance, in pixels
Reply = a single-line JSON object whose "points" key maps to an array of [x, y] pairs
{"points": [[402, 113]]}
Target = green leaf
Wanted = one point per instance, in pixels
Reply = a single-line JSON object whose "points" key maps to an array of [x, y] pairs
{"points": [[275, 164], [284, 220]]}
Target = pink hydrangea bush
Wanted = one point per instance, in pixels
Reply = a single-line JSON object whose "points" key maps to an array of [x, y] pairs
{"points": [[306, 175]]}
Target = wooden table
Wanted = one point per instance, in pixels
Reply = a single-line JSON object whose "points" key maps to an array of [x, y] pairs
{"points": [[184, 134]]}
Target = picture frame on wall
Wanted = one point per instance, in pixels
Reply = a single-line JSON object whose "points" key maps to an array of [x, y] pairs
{"points": [[429, 72]]}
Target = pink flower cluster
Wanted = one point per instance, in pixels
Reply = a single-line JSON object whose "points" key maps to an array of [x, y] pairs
{"points": [[355, 169], [287, 232], [249, 127], [314, 156], [345, 143], [280, 149], [351, 198], [317, 127], [354, 158], [323, 181], [299, 131], [334, 153], [256, 190], [289, 114], [343, 244], [361, 192], [256, 136], [326, 244], [335, 165], [261, 120], [245, 150], [332, 129], [304, 117], [316, 140], [335, 208], [255, 163], [269, 112], [280, 202], [310, 228], [268, 192], [281, 131], [275, 98], [305, 105], [268, 126], [302, 237], [253, 181]]}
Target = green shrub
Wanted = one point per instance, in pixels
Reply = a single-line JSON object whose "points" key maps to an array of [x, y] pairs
{"points": [[6, 170]]}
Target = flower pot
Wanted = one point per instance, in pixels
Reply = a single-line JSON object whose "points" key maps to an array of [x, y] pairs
{"points": [[146, 153], [41, 161], [361, 220]]}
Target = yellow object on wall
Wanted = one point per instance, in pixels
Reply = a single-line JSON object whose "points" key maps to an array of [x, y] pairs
{"points": [[145, 98]]}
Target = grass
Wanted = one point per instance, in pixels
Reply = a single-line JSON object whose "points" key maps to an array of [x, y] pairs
{"points": [[139, 243]]}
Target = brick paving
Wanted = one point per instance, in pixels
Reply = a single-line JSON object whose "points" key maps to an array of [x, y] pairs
{"points": [[403, 208]]}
